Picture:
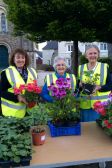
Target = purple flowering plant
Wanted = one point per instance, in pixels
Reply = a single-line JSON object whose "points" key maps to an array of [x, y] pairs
{"points": [[63, 108]]}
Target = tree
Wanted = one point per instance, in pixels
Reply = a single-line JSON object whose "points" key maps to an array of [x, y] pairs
{"points": [[63, 20]]}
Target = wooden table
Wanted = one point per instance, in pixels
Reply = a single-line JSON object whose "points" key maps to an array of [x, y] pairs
{"points": [[92, 146]]}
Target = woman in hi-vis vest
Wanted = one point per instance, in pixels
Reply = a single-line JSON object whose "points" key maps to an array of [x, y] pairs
{"points": [[102, 84], [16, 74], [60, 67]]}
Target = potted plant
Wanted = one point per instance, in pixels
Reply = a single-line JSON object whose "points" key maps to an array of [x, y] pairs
{"points": [[39, 116], [105, 111], [15, 144], [64, 111], [89, 85], [30, 91]]}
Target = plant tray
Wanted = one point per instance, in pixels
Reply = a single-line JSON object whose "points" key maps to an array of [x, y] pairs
{"points": [[64, 131]]}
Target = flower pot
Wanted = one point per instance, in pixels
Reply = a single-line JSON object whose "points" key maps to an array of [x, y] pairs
{"points": [[14, 164], [38, 138], [5, 164], [25, 161], [31, 104], [88, 88]]}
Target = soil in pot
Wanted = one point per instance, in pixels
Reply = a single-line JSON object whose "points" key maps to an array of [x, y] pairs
{"points": [[88, 88]]}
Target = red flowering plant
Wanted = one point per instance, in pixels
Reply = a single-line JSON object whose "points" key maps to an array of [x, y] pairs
{"points": [[105, 111], [64, 109], [30, 92]]}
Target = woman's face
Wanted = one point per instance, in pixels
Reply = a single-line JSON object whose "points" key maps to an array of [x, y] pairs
{"points": [[61, 67], [19, 60], [92, 55]]}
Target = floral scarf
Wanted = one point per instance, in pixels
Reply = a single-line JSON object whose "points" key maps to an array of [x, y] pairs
{"points": [[24, 73]]}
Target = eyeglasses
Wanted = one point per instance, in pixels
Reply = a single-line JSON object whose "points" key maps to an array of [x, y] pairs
{"points": [[60, 64]]}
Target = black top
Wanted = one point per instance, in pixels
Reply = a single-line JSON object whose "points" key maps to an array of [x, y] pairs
{"points": [[4, 86]]}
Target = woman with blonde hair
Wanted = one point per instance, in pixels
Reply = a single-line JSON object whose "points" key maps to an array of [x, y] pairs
{"points": [[102, 84]]}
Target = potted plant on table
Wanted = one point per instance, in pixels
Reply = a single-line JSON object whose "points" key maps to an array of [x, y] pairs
{"points": [[105, 111], [15, 142], [30, 91], [89, 86], [39, 117], [64, 111]]}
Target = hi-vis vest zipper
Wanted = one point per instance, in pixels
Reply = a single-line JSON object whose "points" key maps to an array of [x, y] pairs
{"points": [[88, 101], [10, 108], [52, 79]]}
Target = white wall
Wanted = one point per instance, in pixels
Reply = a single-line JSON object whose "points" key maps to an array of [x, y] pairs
{"points": [[47, 55], [62, 49]]}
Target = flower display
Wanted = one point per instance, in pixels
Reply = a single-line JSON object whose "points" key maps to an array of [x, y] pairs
{"points": [[65, 102], [29, 91], [105, 111]]}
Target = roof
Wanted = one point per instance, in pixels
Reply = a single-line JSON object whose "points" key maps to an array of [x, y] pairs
{"points": [[51, 45], [39, 53]]}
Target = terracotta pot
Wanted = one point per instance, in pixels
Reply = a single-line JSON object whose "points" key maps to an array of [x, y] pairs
{"points": [[38, 138], [31, 104]]}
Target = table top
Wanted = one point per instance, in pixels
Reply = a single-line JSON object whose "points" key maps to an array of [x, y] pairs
{"points": [[92, 146]]}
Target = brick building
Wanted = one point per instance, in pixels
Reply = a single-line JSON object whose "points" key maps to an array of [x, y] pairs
{"points": [[8, 42]]}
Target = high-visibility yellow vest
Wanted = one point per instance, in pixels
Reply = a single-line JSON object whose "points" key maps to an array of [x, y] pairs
{"points": [[88, 101], [51, 78], [10, 108]]}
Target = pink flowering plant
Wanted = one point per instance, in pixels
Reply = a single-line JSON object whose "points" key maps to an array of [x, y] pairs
{"points": [[105, 111], [65, 105], [30, 91]]}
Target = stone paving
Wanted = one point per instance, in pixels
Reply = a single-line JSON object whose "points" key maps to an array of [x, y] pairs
{"points": [[41, 76]]}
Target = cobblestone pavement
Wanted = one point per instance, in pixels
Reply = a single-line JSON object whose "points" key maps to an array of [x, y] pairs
{"points": [[41, 76]]}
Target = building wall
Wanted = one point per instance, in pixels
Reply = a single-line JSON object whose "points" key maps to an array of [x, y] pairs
{"points": [[47, 55], [10, 41]]}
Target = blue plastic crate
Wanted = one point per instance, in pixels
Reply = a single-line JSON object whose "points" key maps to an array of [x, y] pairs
{"points": [[64, 131]]}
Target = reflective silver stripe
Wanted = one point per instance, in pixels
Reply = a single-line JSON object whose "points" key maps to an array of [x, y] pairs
{"points": [[95, 97], [101, 74], [13, 106], [12, 76], [51, 78], [72, 82], [33, 74], [81, 71]]}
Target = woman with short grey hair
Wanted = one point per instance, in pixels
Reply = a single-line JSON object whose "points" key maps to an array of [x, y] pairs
{"points": [[102, 85], [57, 59], [60, 67]]}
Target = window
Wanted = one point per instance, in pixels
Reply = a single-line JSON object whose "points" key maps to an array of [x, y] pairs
{"points": [[3, 22], [49, 62], [70, 48], [103, 46], [68, 62]]}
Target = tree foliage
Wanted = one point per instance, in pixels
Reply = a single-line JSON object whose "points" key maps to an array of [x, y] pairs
{"points": [[80, 20]]}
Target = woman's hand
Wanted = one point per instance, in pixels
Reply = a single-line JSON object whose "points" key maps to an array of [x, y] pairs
{"points": [[80, 84], [97, 87], [22, 99]]}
